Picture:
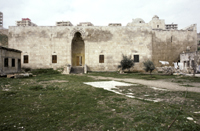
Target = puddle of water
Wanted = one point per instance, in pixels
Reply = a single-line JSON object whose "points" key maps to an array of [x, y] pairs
{"points": [[112, 85]]}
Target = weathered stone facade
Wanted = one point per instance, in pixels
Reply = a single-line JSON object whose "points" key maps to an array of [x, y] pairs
{"points": [[80, 45], [4, 37]]}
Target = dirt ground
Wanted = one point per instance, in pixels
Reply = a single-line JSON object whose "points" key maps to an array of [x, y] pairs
{"points": [[165, 84]]}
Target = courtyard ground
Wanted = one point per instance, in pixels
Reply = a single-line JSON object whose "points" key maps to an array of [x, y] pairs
{"points": [[52, 101]]}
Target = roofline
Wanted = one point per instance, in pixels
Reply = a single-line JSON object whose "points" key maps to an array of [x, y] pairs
{"points": [[10, 49]]}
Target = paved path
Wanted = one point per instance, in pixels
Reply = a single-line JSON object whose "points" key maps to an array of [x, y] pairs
{"points": [[154, 83]]}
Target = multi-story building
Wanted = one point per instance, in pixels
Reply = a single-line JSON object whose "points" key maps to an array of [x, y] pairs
{"points": [[171, 26], [64, 23], [25, 22], [1, 20]]}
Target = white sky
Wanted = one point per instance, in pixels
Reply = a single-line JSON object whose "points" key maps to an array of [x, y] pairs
{"points": [[100, 12]]}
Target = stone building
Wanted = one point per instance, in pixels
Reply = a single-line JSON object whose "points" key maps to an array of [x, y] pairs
{"points": [[100, 47], [188, 59], [171, 26], [10, 61]]}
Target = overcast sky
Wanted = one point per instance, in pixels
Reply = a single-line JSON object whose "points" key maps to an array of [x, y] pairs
{"points": [[100, 12]]}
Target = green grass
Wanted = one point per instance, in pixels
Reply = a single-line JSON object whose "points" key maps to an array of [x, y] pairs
{"points": [[31, 104], [132, 75], [177, 79]]}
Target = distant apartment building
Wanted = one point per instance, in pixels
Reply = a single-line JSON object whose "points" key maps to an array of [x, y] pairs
{"points": [[1, 20], [25, 22], [114, 24], [64, 23], [85, 24], [198, 41], [171, 26]]}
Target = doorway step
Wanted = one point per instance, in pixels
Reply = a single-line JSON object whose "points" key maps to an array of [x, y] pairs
{"points": [[77, 70]]}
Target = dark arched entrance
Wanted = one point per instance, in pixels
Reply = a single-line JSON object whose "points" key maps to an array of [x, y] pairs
{"points": [[78, 50]]}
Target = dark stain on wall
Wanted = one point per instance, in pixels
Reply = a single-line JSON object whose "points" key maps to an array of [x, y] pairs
{"points": [[137, 33], [44, 34], [60, 34], [31, 33], [3, 40], [97, 35]]}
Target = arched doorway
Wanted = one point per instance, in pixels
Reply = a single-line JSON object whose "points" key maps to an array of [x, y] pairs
{"points": [[78, 50]]}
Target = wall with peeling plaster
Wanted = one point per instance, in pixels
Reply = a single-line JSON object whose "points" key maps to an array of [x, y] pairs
{"points": [[168, 45], [41, 42]]}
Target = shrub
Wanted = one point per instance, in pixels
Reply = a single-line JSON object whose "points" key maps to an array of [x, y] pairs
{"points": [[149, 66], [45, 71], [126, 62]]}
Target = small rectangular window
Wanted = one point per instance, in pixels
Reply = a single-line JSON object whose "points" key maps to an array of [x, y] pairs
{"points": [[136, 58], [193, 65], [101, 58], [6, 62], [13, 62], [157, 26], [25, 58], [54, 58], [188, 63]]}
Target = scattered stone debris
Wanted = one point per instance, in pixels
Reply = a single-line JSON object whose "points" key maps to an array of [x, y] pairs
{"points": [[21, 75], [190, 118]]}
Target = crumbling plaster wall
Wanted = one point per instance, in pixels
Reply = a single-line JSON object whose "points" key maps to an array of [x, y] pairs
{"points": [[39, 43], [169, 44], [4, 37], [112, 42]]}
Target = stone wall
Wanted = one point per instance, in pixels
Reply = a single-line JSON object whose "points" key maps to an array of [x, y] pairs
{"points": [[40, 43], [4, 37], [167, 45]]}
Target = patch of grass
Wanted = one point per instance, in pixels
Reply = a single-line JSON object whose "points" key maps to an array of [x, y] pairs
{"points": [[72, 105], [116, 99], [36, 88], [45, 71], [52, 88], [132, 75], [187, 85]]}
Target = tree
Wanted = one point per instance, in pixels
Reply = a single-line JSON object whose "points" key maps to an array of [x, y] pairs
{"points": [[149, 66], [126, 62]]}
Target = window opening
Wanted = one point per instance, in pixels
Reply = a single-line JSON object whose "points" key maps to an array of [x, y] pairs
{"points": [[54, 58], [171, 38], [13, 62], [101, 58], [136, 58], [188, 63], [25, 58], [6, 62]]}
